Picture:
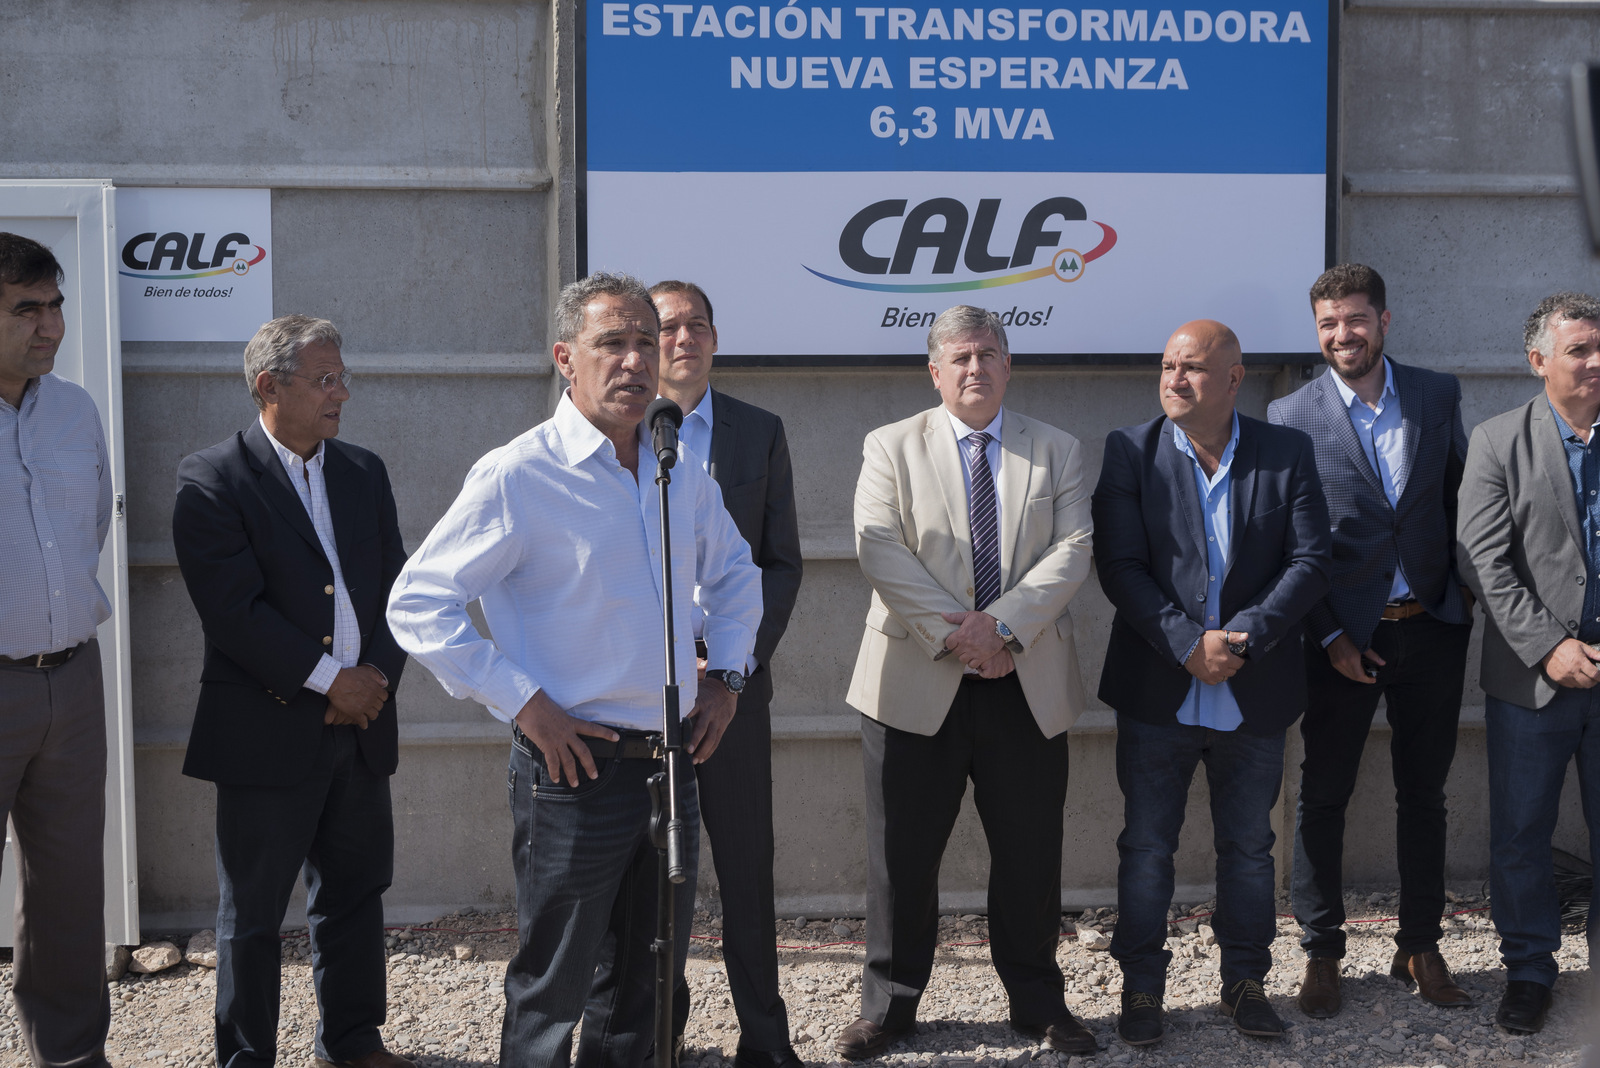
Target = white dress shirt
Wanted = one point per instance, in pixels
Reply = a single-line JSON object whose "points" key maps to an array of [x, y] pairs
{"points": [[695, 436], [561, 544], [307, 478]]}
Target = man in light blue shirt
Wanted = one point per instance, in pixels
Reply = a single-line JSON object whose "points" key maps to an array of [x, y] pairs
{"points": [[1394, 627], [1212, 544], [1211, 704], [55, 511]]}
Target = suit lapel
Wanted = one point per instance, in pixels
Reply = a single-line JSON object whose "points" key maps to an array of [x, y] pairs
{"points": [[1337, 417], [1552, 461], [946, 459], [1178, 470], [724, 443], [1016, 470], [276, 487], [339, 476], [1410, 424], [1241, 490]]}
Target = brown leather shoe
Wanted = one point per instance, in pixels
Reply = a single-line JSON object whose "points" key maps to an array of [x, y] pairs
{"points": [[864, 1039], [1319, 990], [1065, 1034], [378, 1058], [1431, 976]]}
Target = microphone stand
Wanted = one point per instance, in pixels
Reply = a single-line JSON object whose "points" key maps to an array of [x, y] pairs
{"points": [[666, 819]]}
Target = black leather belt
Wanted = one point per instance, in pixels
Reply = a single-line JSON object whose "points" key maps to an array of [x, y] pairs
{"points": [[42, 660], [633, 745]]}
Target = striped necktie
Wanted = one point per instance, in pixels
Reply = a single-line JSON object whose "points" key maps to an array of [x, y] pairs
{"points": [[984, 512]]}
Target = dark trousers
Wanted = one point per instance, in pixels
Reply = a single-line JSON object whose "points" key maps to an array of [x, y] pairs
{"points": [[1529, 750], [586, 897], [337, 825], [1421, 684], [914, 788], [736, 807], [53, 787], [1155, 765]]}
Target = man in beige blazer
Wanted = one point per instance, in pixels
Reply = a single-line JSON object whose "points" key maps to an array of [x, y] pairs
{"points": [[972, 525]]}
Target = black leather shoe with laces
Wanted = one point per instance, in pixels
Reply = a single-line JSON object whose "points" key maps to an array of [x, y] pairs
{"points": [[1141, 1020], [1252, 1013]]}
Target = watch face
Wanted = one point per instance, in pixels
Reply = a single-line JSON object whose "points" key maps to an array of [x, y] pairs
{"points": [[734, 681]]}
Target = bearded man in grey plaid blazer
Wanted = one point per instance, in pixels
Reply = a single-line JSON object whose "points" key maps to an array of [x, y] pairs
{"points": [[1390, 450]]}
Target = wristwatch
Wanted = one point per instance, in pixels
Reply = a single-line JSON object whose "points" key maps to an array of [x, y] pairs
{"points": [[733, 680], [1239, 649], [1008, 638]]}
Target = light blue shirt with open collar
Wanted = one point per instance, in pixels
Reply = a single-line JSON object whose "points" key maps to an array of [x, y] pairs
{"points": [[1212, 704], [1383, 439]]}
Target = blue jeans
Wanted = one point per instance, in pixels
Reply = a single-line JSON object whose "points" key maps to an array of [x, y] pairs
{"points": [[1528, 754], [1155, 765], [586, 887]]}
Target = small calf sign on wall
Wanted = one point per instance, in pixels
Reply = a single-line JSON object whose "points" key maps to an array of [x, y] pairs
{"points": [[194, 264]]}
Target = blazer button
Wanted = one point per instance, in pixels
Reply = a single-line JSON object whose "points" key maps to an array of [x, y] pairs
{"points": [[327, 639], [328, 590], [1580, 580], [1572, 624], [969, 592], [1200, 596]]}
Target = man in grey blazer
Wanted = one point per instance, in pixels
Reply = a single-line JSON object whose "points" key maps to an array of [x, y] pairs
{"points": [[1529, 546], [744, 449], [1395, 624]]}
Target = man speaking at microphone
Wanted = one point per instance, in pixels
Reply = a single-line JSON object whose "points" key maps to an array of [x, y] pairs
{"points": [[558, 533]]}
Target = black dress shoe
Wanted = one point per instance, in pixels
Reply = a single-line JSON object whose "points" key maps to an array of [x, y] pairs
{"points": [[1065, 1034], [1140, 1023], [1523, 1008], [866, 1039], [1252, 1013], [762, 1058]]}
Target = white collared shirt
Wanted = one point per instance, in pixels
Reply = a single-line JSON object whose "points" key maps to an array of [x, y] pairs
{"points": [[308, 481], [695, 436], [561, 544]]}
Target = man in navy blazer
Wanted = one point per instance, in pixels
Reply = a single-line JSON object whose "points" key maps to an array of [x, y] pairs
{"points": [[288, 542], [1211, 541], [1390, 449]]}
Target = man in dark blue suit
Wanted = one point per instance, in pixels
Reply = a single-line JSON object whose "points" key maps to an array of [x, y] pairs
{"points": [[1211, 541], [1390, 449], [288, 542]]}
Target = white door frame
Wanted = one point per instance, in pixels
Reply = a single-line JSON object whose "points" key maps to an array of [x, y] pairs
{"points": [[77, 219]]}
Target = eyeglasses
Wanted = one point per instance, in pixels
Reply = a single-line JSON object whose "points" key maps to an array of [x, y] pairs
{"points": [[328, 380]]}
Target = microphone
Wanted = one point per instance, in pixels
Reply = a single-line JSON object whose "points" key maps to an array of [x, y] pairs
{"points": [[664, 417]]}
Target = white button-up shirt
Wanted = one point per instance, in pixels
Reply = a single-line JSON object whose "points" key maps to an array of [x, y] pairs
{"points": [[561, 544], [307, 478]]}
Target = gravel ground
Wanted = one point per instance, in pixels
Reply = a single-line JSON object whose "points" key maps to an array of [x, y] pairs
{"points": [[445, 1001]]}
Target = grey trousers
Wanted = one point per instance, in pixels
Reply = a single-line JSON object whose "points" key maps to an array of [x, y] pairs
{"points": [[53, 787]]}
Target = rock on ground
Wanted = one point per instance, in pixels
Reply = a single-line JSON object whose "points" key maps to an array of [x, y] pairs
{"points": [[202, 949], [155, 957]]}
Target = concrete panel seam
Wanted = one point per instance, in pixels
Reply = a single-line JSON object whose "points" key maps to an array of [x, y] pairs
{"points": [[1473, 7], [294, 176], [785, 728], [498, 364], [1437, 184]]}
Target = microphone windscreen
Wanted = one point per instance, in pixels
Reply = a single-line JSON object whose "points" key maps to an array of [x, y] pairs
{"points": [[662, 408]]}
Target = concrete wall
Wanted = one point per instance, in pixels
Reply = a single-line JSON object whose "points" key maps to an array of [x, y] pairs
{"points": [[420, 157]]}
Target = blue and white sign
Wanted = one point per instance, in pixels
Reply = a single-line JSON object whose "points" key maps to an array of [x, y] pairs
{"points": [[836, 176]]}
